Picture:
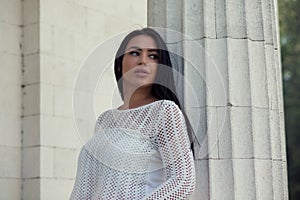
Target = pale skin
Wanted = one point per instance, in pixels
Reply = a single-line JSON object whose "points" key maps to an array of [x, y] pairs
{"points": [[139, 68]]}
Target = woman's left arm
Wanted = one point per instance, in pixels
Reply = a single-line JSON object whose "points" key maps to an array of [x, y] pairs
{"points": [[174, 147]]}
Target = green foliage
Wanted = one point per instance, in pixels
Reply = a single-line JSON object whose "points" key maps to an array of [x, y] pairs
{"points": [[289, 19]]}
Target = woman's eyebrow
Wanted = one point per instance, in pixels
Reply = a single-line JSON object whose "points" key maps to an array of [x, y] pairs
{"points": [[156, 50], [139, 48]]}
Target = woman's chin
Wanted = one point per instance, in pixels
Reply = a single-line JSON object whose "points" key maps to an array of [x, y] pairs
{"points": [[141, 84]]}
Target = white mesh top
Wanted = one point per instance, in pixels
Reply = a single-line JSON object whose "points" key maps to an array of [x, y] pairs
{"points": [[139, 153]]}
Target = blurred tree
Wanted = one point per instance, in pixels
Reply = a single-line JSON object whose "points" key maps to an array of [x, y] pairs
{"points": [[289, 19]]}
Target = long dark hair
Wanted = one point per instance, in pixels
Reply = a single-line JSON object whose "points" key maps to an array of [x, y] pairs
{"points": [[165, 90]]}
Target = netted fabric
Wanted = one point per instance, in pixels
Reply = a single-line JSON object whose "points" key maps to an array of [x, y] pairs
{"points": [[140, 153]]}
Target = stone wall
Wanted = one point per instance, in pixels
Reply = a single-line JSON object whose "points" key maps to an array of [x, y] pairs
{"points": [[11, 99], [43, 44]]}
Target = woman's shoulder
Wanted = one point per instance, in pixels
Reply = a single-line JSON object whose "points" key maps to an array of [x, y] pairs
{"points": [[169, 103], [169, 106]]}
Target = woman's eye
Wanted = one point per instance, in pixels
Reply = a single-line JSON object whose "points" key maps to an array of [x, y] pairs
{"points": [[134, 53], [153, 56]]}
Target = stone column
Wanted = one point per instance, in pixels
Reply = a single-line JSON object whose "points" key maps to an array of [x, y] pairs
{"points": [[238, 115]]}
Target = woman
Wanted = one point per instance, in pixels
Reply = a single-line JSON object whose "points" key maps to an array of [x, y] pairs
{"points": [[142, 149]]}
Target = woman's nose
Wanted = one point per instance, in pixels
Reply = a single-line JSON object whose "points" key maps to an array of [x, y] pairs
{"points": [[143, 59]]}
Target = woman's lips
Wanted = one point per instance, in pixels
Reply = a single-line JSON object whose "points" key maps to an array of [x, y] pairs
{"points": [[141, 72]]}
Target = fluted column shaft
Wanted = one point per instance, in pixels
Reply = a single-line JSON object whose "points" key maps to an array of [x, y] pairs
{"points": [[236, 77]]}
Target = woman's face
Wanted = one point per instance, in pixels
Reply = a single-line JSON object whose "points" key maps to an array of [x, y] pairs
{"points": [[139, 65]]}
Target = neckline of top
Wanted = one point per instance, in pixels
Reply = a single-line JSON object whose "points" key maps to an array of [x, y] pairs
{"points": [[137, 108]]}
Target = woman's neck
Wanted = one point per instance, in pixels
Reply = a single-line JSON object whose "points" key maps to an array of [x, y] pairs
{"points": [[139, 97]]}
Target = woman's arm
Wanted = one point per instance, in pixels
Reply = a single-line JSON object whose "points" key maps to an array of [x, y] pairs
{"points": [[174, 147]]}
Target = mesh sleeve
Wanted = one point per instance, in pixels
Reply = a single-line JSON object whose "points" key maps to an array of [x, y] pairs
{"points": [[174, 147], [87, 173], [86, 180]]}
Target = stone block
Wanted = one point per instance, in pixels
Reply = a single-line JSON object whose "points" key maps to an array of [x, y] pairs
{"points": [[11, 70], [241, 132], [275, 134], [285, 180], [11, 12], [202, 180], [112, 30], [212, 133], [173, 20], [10, 39], [67, 13], [271, 77], [283, 136], [193, 26], [238, 72], [137, 8], [94, 4], [10, 130], [31, 189], [216, 72], [221, 23], [194, 73], [47, 99], [47, 39], [209, 19], [261, 133], [31, 99], [82, 48], [156, 11], [99, 46], [10, 188], [58, 71], [258, 74], [221, 179], [63, 42], [267, 21], [31, 11], [38, 98], [90, 101], [224, 133], [31, 130], [278, 186], [31, 162], [119, 9], [59, 189], [95, 21], [47, 162], [263, 179], [254, 19], [65, 163], [31, 74], [10, 102], [63, 98], [31, 39], [60, 132], [244, 179], [279, 79], [10, 162], [236, 19], [275, 23]]}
